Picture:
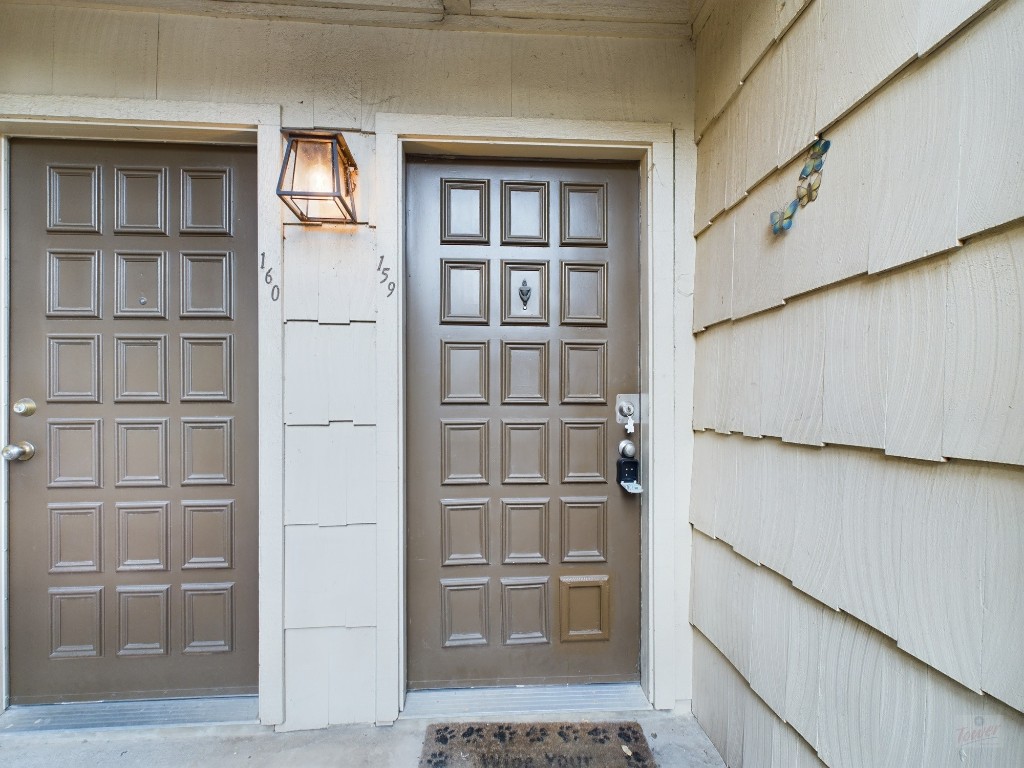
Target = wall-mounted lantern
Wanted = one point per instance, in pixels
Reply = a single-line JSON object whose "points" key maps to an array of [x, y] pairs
{"points": [[318, 177]]}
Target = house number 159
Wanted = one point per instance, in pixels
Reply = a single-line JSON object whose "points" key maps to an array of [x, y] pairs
{"points": [[385, 275], [268, 278]]}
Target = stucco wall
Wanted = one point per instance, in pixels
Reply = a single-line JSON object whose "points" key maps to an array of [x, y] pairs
{"points": [[859, 408], [341, 77]]}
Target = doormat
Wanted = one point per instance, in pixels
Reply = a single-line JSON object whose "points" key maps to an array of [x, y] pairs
{"points": [[536, 745]]}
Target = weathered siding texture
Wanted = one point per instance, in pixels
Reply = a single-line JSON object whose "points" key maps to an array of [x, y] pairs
{"points": [[857, 571], [338, 76]]}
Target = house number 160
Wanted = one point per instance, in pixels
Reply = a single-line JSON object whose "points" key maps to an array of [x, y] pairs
{"points": [[268, 278]]}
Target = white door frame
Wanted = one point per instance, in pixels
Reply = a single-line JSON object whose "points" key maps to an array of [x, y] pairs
{"points": [[652, 145], [176, 121]]}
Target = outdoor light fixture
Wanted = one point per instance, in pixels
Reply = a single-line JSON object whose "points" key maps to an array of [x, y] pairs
{"points": [[317, 177]]}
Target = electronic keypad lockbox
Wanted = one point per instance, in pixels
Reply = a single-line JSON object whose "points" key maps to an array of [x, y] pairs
{"points": [[627, 471], [627, 468]]}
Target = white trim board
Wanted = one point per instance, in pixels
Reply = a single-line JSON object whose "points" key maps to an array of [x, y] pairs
{"points": [[653, 145], [140, 119]]}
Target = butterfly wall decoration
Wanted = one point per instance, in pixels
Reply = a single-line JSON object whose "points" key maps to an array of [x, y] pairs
{"points": [[807, 189]]}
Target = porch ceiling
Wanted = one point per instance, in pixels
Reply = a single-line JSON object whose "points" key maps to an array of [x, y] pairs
{"points": [[603, 18]]}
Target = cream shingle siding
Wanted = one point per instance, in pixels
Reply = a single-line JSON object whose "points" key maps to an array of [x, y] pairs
{"points": [[874, 536]]}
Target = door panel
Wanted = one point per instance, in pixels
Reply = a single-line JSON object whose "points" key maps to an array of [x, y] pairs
{"points": [[133, 529], [522, 327]]}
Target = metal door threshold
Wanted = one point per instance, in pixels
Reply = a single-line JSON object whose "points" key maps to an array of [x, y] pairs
{"points": [[525, 700], [101, 715]]}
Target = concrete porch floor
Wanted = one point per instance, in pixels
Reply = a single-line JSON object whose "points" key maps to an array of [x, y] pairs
{"points": [[676, 740]]}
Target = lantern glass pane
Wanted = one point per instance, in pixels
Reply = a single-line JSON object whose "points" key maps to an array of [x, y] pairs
{"points": [[314, 167]]}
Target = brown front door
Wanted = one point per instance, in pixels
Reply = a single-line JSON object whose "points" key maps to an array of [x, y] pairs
{"points": [[133, 528], [522, 327]]}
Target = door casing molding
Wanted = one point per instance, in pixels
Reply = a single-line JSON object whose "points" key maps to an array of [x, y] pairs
{"points": [[64, 117], [653, 146]]}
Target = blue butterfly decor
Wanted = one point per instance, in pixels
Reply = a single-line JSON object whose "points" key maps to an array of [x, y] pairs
{"points": [[807, 190]]}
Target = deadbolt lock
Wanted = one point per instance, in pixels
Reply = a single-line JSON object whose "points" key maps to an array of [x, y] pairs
{"points": [[26, 406]]}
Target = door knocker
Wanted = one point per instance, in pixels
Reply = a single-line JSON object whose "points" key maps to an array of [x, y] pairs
{"points": [[525, 292]]}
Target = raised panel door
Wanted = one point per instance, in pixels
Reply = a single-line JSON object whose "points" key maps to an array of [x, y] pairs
{"points": [[133, 529], [522, 327]]}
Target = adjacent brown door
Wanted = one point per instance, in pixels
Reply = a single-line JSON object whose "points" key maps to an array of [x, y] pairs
{"points": [[133, 528], [522, 327]]}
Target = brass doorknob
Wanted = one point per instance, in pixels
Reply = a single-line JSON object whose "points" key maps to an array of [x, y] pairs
{"points": [[19, 451]]}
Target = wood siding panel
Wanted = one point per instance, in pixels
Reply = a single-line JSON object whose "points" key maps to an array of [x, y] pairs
{"points": [[305, 379], [712, 296], [335, 474], [866, 43], [448, 74], [300, 262], [362, 474], [913, 333], [737, 148], [918, 151], [713, 680], [26, 57], [306, 686], [945, 512], [308, 578], [351, 686], [305, 448], [241, 61], [707, 392], [984, 383], [751, 482], [743, 365], [648, 11], [943, 18], [757, 102], [789, 750], [1002, 673], [333, 269], [769, 656], [804, 360], [718, 62], [713, 169], [806, 618], [99, 53], [815, 568], [990, 192], [588, 78], [749, 390], [342, 385], [829, 239], [757, 33], [721, 606], [728, 493], [758, 255], [865, 682], [797, 51], [771, 378], [758, 724], [347, 281], [853, 411], [337, 99], [870, 538], [363, 362], [784, 487], [710, 454], [355, 570]]}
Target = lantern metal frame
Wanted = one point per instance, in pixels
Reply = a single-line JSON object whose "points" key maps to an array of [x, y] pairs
{"points": [[343, 182]]}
